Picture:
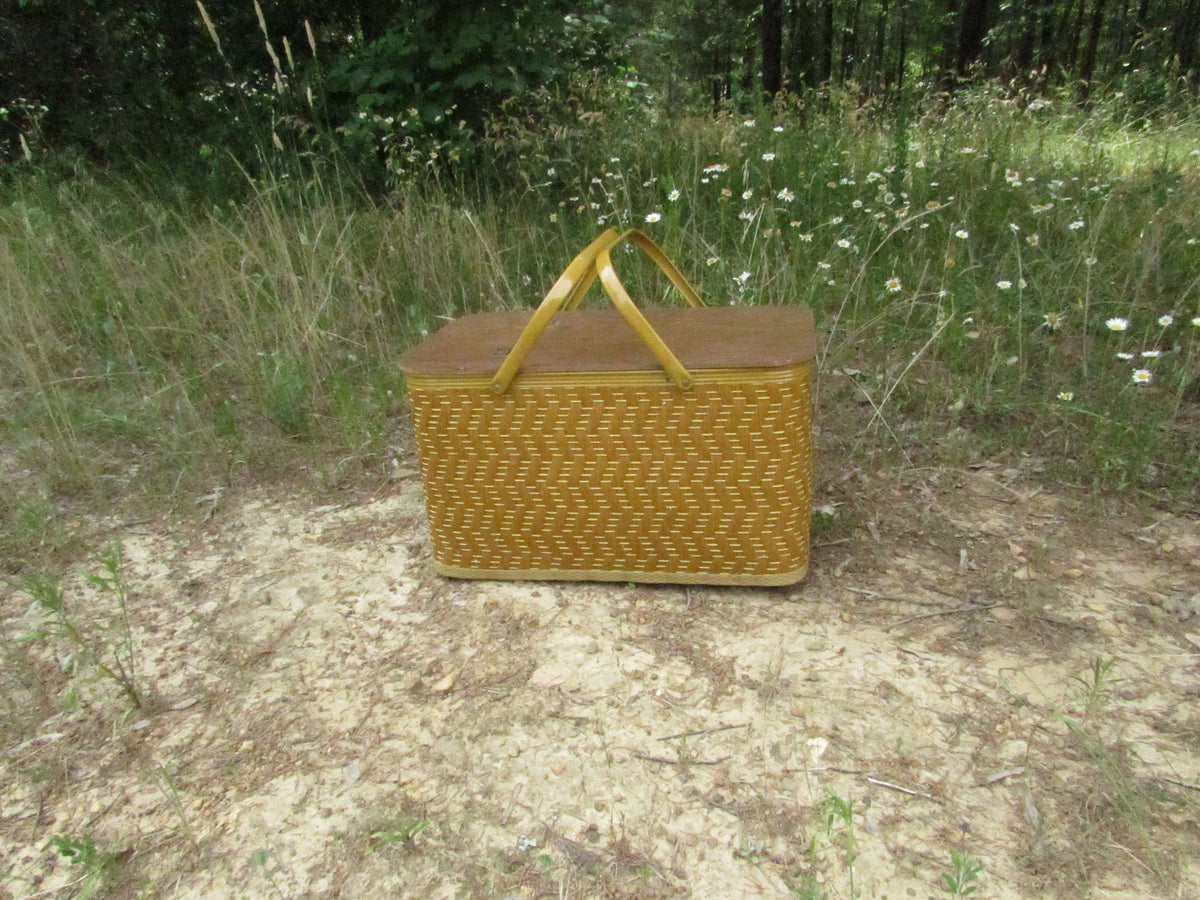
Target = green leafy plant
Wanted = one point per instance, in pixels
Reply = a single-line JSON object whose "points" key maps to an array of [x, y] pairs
{"points": [[1096, 686], [806, 888], [170, 790], [120, 647], [401, 832], [838, 812], [961, 880], [97, 865], [261, 860], [288, 394], [110, 646]]}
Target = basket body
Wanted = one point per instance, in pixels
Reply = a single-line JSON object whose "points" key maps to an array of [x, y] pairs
{"points": [[619, 475]]}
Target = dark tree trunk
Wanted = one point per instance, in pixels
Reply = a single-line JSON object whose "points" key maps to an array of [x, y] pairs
{"points": [[972, 28], [1087, 65], [1074, 33], [1031, 51], [850, 43], [826, 72], [902, 48], [1022, 55], [878, 65], [772, 48], [720, 78], [1187, 36], [746, 82], [807, 43]]}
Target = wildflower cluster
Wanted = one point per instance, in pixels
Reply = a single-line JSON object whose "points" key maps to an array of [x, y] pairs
{"points": [[1142, 359], [1020, 250]]}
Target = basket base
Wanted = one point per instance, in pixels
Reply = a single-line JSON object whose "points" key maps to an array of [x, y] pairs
{"points": [[774, 580]]}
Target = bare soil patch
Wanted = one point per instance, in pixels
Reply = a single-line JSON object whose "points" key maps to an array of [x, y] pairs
{"points": [[974, 663]]}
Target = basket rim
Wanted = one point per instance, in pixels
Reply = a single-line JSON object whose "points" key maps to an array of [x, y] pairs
{"points": [[778, 579]]}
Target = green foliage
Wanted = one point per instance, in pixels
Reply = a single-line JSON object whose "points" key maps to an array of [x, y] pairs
{"points": [[106, 646], [961, 880], [213, 90], [422, 91], [399, 832], [1096, 686], [838, 813], [98, 866], [807, 888], [288, 394]]}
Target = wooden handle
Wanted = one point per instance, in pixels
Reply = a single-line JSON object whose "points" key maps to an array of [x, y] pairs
{"points": [[568, 291]]}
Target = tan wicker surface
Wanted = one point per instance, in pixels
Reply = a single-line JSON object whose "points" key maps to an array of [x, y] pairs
{"points": [[620, 477]]}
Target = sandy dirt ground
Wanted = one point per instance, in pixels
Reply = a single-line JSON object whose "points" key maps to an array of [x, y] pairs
{"points": [[975, 664]]}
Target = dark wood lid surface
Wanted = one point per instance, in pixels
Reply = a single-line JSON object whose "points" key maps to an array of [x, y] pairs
{"points": [[721, 337]]}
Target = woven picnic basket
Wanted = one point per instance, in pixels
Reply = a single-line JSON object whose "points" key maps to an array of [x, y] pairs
{"points": [[665, 445]]}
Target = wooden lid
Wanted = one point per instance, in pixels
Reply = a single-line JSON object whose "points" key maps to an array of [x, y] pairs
{"points": [[722, 337]]}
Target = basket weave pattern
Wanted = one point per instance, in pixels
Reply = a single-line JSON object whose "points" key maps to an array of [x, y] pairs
{"points": [[620, 478]]}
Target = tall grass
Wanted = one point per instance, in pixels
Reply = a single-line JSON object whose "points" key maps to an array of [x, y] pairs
{"points": [[963, 261]]}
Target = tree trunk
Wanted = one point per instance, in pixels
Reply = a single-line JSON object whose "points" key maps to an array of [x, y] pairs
{"points": [[1186, 38], [772, 48], [826, 69], [1074, 32], [880, 70], [850, 43], [972, 28], [720, 78], [807, 43], [1032, 50], [1087, 65]]}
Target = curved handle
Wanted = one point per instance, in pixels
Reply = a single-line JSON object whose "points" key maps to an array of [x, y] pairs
{"points": [[562, 289], [651, 249], [595, 261]]}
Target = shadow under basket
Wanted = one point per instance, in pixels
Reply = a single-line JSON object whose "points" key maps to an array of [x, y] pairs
{"points": [[670, 445]]}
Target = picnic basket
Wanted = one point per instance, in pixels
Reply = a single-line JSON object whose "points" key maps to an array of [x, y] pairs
{"points": [[664, 445]]}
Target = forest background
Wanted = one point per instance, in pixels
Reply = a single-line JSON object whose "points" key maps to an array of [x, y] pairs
{"points": [[222, 221], [119, 80]]}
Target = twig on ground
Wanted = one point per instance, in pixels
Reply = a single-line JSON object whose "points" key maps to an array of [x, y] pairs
{"points": [[681, 762], [903, 790], [1001, 776], [971, 607], [890, 598], [1182, 784], [699, 731]]}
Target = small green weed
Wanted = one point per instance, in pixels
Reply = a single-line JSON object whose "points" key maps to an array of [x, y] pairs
{"points": [[1096, 686], [97, 865], [401, 832], [752, 850], [1131, 807], [110, 646], [961, 880], [170, 790], [288, 395], [806, 888], [838, 811], [34, 531], [261, 860], [122, 650]]}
